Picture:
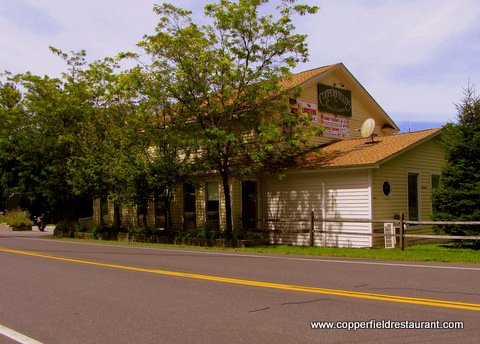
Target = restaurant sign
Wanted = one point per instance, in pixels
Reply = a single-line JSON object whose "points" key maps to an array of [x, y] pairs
{"points": [[334, 100], [337, 127]]}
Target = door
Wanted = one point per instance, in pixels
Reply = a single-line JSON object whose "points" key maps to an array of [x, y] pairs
{"points": [[413, 196], [249, 204], [189, 207], [213, 205]]}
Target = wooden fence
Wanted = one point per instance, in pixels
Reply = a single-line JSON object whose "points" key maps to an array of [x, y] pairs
{"points": [[401, 224]]}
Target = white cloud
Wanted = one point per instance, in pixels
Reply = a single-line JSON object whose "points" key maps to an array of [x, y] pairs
{"points": [[413, 56], [383, 42]]}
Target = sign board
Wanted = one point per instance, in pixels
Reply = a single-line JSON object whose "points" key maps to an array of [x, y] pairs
{"points": [[310, 109], [305, 107], [334, 100], [336, 127]]}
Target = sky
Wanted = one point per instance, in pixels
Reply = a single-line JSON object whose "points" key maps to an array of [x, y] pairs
{"points": [[414, 57]]}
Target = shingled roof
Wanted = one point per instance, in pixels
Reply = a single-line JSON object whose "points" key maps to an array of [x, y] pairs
{"points": [[298, 79], [362, 152]]}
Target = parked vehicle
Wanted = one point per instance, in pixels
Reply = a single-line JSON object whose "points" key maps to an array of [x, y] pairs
{"points": [[39, 221]]}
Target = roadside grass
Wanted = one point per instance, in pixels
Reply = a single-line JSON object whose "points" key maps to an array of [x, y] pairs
{"points": [[423, 253], [447, 253]]}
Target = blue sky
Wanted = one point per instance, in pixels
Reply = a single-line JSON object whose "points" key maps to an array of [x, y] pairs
{"points": [[415, 57]]}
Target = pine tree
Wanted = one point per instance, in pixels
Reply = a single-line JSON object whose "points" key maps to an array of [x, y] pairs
{"points": [[458, 196]]}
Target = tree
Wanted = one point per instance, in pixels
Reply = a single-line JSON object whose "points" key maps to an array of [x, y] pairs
{"points": [[109, 134], [10, 116], [38, 142], [127, 153], [224, 82], [458, 196]]}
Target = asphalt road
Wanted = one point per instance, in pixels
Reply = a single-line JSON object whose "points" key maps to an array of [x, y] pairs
{"points": [[71, 292]]}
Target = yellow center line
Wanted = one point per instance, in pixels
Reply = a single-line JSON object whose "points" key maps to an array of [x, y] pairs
{"points": [[280, 286]]}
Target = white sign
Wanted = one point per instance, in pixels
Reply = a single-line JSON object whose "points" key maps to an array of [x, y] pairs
{"points": [[335, 126], [310, 109]]}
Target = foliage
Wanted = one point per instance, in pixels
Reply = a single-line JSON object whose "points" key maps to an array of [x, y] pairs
{"points": [[458, 197], [223, 82], [42, 117], [67, 228], [16, 218], [210, 100]]}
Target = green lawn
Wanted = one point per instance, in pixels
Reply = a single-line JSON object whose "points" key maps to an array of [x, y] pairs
{"points": [[424, 253]]}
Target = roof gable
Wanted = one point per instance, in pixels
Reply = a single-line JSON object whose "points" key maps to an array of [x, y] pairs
{"points": [[300, 79], [315, 76]]}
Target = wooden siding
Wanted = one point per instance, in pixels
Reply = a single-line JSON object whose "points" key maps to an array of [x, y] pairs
{"points": [[236, 197], [348, 196], [425, 159], [289, 203], [97, 212]]}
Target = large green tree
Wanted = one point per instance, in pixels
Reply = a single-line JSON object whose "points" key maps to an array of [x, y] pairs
{"points": [[127, 153], [224, 81], [458, 196], [111, 137], [38, 140], [12, 120]]}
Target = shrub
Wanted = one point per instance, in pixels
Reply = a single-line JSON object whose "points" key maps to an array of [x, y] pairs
{"points": [[16, 218], [66, 229]]}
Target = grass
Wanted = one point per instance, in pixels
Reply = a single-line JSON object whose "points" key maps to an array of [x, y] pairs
{"points": [[422, 253]]}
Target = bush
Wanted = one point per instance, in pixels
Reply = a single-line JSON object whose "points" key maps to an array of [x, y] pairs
{"points": [[66, 229], [16, 218]]}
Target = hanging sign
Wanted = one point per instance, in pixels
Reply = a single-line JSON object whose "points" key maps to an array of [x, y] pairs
{"points": [[334, 100]]}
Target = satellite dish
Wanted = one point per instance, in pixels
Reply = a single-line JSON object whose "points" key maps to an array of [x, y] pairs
{"points": [[367, 128]]}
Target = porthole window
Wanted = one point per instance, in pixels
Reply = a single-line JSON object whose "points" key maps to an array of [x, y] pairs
{"points": [[386, 188]]}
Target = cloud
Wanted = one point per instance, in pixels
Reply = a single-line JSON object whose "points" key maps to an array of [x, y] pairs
{"points": [[406, 53], [413, 56], [389, 33], [25, 16]]}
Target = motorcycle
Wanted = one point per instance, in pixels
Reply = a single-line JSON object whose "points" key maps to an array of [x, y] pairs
{"points": [[40, 223]]}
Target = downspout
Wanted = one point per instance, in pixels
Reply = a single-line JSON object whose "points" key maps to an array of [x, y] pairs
{"points": [[370, 205], [324, 212]]}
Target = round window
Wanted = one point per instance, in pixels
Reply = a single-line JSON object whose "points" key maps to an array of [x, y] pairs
{"points": [[387, 189]]}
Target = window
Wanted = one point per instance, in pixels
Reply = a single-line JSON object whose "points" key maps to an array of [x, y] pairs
{"points": [[189, 207], [249, 204], [189, 198], [213, 205], [386, 188], [435, 181], [413, 196]]}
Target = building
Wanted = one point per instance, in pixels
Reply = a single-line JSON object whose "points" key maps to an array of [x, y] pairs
{"points": [[350, 176]]}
